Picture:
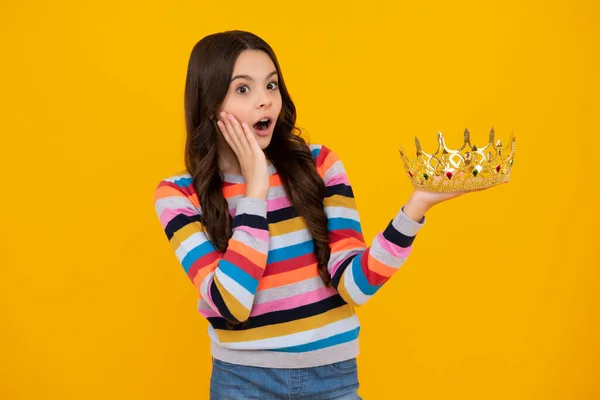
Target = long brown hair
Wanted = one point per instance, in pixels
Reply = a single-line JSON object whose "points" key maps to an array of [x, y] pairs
{"points": [[209, 72]]}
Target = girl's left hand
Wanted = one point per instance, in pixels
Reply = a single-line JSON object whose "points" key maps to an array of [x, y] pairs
{"points": [[421, 201]]}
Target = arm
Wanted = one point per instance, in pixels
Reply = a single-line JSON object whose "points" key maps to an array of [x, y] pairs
{"points": [[226, 281], [358, 271]]}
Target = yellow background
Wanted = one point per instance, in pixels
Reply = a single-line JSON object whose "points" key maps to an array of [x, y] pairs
{"points": [[500, 297]]}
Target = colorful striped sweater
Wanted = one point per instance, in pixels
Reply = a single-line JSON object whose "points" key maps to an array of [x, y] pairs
{"points": [[268, 275]]}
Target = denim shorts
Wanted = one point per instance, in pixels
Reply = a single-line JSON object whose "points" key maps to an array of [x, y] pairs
{"points": [[240, 382]]}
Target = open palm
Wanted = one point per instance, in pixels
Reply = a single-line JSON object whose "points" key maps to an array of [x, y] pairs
{"points": [[433, 198]]}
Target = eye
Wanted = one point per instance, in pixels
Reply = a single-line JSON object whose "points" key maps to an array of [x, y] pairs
{"points": [[242, 87], [275, 85]]}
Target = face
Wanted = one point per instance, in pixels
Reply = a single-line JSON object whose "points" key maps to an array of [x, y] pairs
{"points": [[253, 96]]}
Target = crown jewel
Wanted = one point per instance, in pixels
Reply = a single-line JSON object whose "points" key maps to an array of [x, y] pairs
{"points": [[467, 168]]}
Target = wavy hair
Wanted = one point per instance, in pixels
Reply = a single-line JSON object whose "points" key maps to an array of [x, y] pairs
{"points": [[209, 72]]}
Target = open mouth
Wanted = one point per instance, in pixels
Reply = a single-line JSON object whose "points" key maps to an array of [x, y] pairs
{"points": [[263, 124]]}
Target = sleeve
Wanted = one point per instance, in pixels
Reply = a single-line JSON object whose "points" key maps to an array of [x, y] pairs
{"points": [[226, 281], [359, 271]]}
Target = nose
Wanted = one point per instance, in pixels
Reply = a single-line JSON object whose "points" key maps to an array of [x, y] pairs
{"points": [[264, 100]]}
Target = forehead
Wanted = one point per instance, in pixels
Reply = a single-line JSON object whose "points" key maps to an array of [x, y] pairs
{"points": [[253, 63]]}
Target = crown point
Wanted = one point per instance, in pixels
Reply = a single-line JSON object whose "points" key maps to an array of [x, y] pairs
{"points": [[440, 136], [467, 135], [492, 134], [441, 143], [418, 144]]}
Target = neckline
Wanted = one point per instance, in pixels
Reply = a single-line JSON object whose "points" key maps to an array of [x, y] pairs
{"points": [[232, 178]]}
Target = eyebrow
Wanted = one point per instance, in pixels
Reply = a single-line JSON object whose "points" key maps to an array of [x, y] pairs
{"points": [[248, 77]]}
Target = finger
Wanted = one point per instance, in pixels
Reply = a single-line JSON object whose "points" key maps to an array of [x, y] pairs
{"points": [[235, 137], [237, 147], [228, 138], [226, 135], [250, 137], [239, 131], [223, 130]]}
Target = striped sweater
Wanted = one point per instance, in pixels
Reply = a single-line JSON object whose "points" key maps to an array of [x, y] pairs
{"points": [[268, 275]]}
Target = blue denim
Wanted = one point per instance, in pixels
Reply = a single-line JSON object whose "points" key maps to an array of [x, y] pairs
{"points": [[240, 382]]}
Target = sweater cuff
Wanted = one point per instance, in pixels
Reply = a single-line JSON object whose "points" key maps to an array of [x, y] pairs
{"points": [[251, 205], [403, 224]]}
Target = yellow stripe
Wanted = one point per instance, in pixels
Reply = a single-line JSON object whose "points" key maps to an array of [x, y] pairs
{"points": [[287, 226], [343, 291], [286, 328], [337, 200], [187, 231], [235, 307], [174, 243]]}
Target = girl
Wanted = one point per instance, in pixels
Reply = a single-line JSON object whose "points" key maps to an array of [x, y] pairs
{"points": [[266, 227]]}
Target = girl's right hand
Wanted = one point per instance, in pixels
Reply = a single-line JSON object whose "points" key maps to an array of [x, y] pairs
{"points": [[250, 156]]}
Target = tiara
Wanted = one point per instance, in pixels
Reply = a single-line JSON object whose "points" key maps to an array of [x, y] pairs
{"points": [[467, 168]]}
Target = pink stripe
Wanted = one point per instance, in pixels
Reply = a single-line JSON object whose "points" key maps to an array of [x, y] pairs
{"points": [[392, 248], [170, 213], [209, 313], [277, 204], [341, 260], [337, 179], [257, 233], [293, 302], [208, 297], [335, 266]]}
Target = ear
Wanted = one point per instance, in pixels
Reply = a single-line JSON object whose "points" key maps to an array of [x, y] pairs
{"points": [[211, 116]]}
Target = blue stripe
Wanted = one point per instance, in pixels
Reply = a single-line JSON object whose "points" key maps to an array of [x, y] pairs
{"points": [[322, 343], [183, 182], [239, 275], [337, 223], [285, 253], [360, 279], [315, 152], [196, 253]]}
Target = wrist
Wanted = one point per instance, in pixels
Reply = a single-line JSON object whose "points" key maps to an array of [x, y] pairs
{"points": [[416, 206], [256, 194]]}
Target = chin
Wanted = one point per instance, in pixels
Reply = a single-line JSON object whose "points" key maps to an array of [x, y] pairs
{"points": [[264, 142]]}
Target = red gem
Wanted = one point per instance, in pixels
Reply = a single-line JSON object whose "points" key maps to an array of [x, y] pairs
{"points": [[449, 174], [410, 173], [498, 168]]}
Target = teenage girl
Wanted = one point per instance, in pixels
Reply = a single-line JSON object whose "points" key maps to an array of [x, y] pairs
{"points": [[266, 227]]}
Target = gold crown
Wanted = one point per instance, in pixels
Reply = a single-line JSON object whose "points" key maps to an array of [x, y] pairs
{"points": [[467, 168]]}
